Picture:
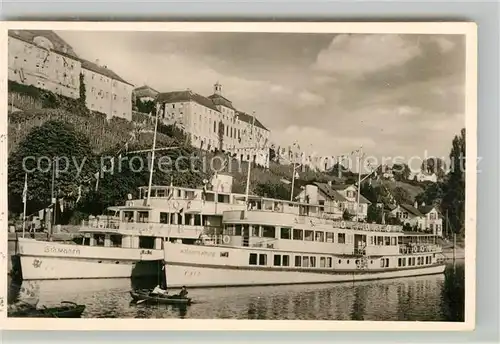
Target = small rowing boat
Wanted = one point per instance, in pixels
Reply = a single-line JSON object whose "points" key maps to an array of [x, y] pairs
{"points": [[145, 296], [70, 310]]}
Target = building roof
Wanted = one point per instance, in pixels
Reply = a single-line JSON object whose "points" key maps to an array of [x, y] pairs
{"points": [[411, 209], [426, 209], [329, 192], [60, 45], [249, 119], [217, 99], [103, 70], [145, 91], [185, 96]]}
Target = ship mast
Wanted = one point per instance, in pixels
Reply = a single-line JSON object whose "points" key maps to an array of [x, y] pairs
{"points": [[247, 191], [151, 170], [359, 182]]}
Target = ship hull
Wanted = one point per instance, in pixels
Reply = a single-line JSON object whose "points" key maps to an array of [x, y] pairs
{"points": [[40, 260], [197, 266]]}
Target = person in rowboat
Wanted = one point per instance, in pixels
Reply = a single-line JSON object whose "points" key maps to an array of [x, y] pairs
{"points": [[183, 292], [159, 291]]}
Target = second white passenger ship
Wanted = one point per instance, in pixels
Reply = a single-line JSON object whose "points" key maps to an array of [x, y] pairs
{"points": [[281, 242]]}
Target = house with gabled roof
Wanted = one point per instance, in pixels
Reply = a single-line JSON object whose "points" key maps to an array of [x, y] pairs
{"points": [[334, 200], [422, 218], [214, 123]]}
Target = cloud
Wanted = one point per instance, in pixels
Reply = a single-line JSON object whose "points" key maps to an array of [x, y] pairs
{"points": [[444, 43], [307, 98], [358, 54]]}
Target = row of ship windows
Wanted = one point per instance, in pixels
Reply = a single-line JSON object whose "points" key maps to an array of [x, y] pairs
{"points": [[306, 261], [308, 235]]}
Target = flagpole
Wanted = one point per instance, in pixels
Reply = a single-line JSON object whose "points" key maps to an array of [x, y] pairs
{"points": [[247, 191], [25, 197], [53, 217], [152, 159], [293, 180], [359, 182]]}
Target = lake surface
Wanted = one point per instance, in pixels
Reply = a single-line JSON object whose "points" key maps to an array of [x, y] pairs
{"points": [[424, 298]]}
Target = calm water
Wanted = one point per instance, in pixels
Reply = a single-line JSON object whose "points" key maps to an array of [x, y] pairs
{"points": [[425, 298]]}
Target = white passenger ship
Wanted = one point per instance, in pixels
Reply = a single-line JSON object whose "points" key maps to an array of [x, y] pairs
{"points": [[281, 242], [128, 241]]}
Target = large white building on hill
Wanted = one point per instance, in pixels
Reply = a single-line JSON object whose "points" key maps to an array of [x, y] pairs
{"points": [[213, 123], [42, 59]]}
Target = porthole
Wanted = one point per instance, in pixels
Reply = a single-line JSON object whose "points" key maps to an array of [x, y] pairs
{"points": [[100, 261], [348, 261], [340, 261]]}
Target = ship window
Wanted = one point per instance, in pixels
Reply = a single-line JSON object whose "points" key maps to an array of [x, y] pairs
{"points": [[393, 241], [305, 261], [400, 240], [253, 259], [277, 260], [197, 220], [147, 242], [237, 230], [382, 263], [328, 262], [322, 262], [286, 260], [329, 236], [399, 261], [262, 259], [387, 241], [286, 233], [320, 236], [128, 216], [143, 216], [340, 261], [164, 217], [116, 240], [255, 230], [298, 234], [341, 238], [404, 261], [313, 262], [298, 261], [99, 239], [308, 235], [387, 262], [268, 232]]}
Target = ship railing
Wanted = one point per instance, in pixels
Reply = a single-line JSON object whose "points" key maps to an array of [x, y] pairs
{"points": [[268, 243], [101, 223], [418, 248]]}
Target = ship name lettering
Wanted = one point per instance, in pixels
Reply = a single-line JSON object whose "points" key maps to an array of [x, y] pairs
{"points": [[199, 253], [63, 250]]}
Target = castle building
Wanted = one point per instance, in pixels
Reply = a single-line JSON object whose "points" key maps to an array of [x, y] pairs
{"points": [[107, 92], [214, 123], [42, 59]]}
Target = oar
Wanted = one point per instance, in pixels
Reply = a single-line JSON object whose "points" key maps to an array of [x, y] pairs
{"points": [[140, 301]]}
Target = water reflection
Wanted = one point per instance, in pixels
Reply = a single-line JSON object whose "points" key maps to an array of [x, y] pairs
{"points": [[424, 298]]}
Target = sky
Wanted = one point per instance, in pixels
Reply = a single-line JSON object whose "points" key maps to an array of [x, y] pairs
{"points": [[395, 95]]}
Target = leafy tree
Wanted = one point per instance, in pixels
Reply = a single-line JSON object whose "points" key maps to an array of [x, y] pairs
{"points": [[347, 216], [146, 106], [49, 145], [434, 165], [433, 194], [374, 213], [221, 135], [454, 187], [401, 195], [273, 190], [401, 172]]}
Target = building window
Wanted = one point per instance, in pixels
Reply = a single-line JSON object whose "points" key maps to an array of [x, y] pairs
{"points": [[252, 260]]}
